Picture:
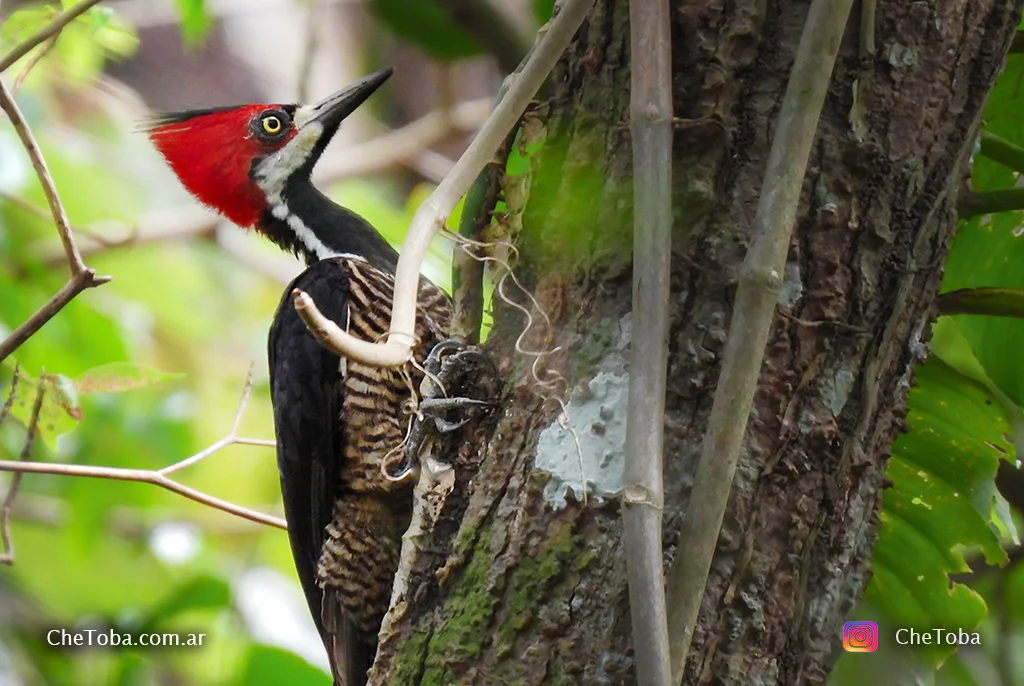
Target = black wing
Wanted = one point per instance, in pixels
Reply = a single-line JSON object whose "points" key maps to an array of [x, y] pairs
{"points": [[306, 388]]}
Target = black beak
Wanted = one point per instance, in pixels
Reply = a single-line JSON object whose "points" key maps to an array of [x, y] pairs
{"points": [[334, 108]]}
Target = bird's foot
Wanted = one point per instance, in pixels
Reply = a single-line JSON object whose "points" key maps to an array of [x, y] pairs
{"points": [[452, 371]]}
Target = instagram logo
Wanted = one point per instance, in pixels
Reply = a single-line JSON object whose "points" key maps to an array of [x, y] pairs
{"points": [[860, 637]]}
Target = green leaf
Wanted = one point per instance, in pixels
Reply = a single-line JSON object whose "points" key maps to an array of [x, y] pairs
{"points": [[195, 21], [1002, 119], [272, 666], [118, 377], [940, 503], [988, 253], [427, 24], [60, 411]]}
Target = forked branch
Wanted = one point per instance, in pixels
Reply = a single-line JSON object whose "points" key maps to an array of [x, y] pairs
{"points": [[431, 216], [157, 477], [81, 276]]}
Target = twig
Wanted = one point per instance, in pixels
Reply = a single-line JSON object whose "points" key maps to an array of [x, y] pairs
{"points": [[143, 476], [1002, 151], [431, 216], [994, 302], [81, 276], [66, 294], [492, 28], [7, 557], [9, 403], [231, 439], [867, 29], [971, 205], [60, 218], [30, 65], [650, 114], [756, 298], [48, 31], [467, 266], [159, 477], [45, 215]]}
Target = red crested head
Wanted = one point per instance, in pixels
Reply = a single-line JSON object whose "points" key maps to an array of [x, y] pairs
{"points": [[240, 161], [212, 152]]}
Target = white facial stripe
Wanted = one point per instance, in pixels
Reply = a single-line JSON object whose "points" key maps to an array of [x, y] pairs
{"points": [[273, 173], [305, 235], [274, 170]]}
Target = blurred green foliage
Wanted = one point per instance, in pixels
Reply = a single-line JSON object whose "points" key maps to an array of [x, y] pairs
{"points": [[427, 24], [140, 373], [148, 369]]}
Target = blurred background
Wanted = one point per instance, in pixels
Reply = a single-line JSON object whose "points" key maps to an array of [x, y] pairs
{"points": [[168, 343]]}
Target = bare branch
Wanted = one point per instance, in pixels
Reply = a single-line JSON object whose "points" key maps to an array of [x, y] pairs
{"points": [[48, 31], [7, 557], [60, 218], [431, 216], [994, 302], [9, 403], [467, 263], [867, 29], [231, 439], [30, 65], [756, 298], [650, 114], [970, 205], [142, 476], [157, 477], [66, 294], [81, 276]]}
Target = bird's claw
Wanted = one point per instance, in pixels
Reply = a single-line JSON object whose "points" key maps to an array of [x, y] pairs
{"points": [[448, 369]]}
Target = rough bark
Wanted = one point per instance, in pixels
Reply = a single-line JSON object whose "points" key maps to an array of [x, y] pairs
{"points": [[532, 588]]}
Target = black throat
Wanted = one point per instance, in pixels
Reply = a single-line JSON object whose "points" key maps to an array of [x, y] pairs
{"points": [[308, 217]]}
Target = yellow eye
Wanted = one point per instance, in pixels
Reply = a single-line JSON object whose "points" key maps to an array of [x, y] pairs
{"points": [[272, 125]]}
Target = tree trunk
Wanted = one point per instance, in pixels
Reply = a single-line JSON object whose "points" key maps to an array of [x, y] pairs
{"points": [[532, 588]]}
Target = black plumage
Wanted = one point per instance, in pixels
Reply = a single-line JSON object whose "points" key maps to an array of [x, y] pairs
{"points": [[337, 422]]}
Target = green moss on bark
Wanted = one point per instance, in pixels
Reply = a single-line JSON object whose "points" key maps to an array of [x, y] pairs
{"points": [[552, 571]]}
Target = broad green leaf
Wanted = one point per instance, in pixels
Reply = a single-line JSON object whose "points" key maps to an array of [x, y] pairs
{"points": [[272, 666], [117, 377], [940, 503], [427, 24], [989, 252], [1002, 118]]}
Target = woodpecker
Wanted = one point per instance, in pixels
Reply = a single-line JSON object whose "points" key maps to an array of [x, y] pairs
{"points": [[337, 421]]}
